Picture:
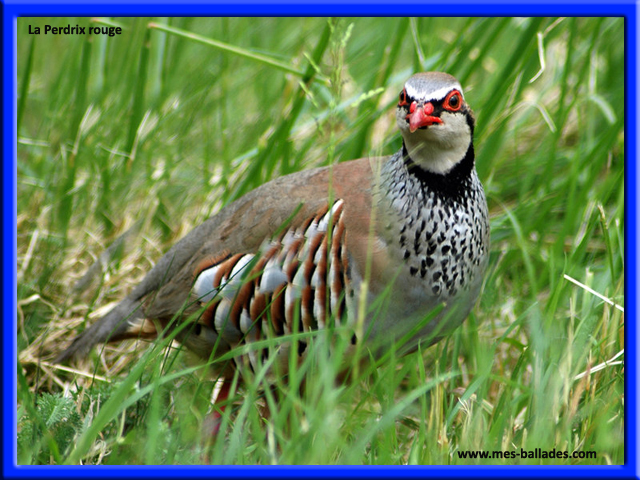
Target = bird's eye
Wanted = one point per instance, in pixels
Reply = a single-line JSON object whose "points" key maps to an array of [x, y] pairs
{"points": [[403, 98], [453, 102]]}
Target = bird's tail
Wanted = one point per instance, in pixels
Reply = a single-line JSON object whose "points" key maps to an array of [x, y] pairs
{"points": [[116, 325]]}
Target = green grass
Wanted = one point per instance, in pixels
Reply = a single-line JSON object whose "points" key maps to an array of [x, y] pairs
{"points": [[156, 130]]}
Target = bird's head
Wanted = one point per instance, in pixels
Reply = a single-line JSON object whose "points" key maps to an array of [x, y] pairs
{"points": [[435, 121]]}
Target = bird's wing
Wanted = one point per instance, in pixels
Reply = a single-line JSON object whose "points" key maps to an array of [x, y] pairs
{"points": [[239, 228]]}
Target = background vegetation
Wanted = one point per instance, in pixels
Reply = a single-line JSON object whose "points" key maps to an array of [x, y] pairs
{"points": [[152, 131]]}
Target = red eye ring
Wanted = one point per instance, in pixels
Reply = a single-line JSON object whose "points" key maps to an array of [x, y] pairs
{"points": [[453, 101], [403, 98]]}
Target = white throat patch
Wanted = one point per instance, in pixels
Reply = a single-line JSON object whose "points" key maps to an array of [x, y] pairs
{"points": [[440, 147]]}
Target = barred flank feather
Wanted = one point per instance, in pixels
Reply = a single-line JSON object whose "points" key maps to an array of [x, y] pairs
{"points": [[301, 275]]}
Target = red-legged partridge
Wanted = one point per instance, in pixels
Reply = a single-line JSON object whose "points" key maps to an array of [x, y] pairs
{"points": [[402, 237]]}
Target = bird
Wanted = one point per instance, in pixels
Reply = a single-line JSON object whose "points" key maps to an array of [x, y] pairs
{"points": [[391, 248]]}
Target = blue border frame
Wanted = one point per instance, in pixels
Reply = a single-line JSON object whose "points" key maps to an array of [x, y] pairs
{"points": [[11, 10]]}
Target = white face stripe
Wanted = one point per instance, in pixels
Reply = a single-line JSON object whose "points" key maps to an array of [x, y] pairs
{"points": [[435, 95]]}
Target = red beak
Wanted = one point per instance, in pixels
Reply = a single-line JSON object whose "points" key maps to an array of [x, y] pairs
{"points": [[421, 117]]}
